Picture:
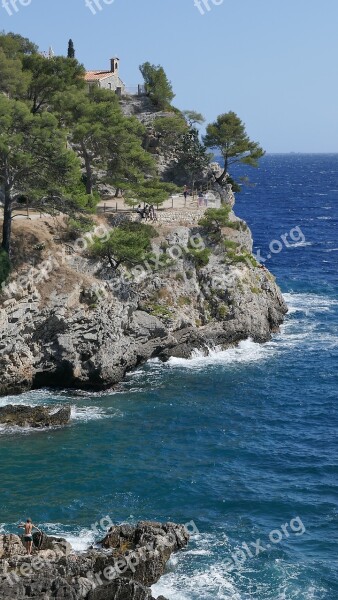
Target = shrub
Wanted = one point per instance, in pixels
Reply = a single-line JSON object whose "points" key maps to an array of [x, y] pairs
{"points": [[77, 226], [223, 311], [229, 244], [200, 257], [130, 244], [184, 301], [215, 218], [245, 257], [158, 310]]}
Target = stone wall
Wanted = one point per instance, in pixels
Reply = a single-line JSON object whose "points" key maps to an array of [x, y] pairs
{"points": [[177, 216]]}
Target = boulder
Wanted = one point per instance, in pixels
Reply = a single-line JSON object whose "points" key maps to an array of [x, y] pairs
{"points": [[57, 544], [11, 545], [35, 416]]}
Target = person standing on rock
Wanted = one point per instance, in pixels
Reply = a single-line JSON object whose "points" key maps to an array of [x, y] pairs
{"points": [[185, 194], [28, 535]]}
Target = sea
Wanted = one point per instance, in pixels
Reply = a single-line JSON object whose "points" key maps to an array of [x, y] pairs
{"points": [[239, 445]]}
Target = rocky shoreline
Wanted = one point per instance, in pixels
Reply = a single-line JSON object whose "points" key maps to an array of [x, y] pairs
{"points": [[81, 326], [129, 560]]}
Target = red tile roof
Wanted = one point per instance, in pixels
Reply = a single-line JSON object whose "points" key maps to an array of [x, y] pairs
{"points": [[97, 75]]}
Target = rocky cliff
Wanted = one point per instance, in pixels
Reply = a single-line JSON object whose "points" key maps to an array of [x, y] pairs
{"points": [[68, 320]]}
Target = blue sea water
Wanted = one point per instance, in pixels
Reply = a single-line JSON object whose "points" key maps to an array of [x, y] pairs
{"points": [[242, 442]]}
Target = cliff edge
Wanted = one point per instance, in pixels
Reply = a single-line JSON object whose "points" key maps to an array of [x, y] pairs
{"points": [[69, 320]]}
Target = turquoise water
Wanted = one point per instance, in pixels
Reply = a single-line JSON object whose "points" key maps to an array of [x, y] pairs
{"points": [[243, 442]]}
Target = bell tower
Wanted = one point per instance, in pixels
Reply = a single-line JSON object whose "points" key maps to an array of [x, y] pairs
{"points": [[114, 65]]}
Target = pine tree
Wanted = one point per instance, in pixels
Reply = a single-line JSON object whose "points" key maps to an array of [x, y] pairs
{"points": [[71, 49]]}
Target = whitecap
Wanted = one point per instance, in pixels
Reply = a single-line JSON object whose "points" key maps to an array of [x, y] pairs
{"points": [[298, 302], [80, 540], [247, 351], [92, 413]]}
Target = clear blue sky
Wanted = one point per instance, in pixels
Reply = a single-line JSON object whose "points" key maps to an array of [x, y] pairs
{"points": [[273, 62]]}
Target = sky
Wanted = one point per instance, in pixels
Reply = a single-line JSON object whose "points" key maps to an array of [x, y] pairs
{"points": [[273, 62]]}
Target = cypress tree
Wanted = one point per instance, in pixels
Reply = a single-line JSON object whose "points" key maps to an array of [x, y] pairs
{"points": [[71, 49]]}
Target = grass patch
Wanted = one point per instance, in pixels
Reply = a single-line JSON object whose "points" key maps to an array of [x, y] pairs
{"points": [[157, 310], [184, 301]]}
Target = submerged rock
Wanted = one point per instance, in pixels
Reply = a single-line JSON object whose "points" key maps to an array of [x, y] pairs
{"points": [[134, 559], [34, 416]]}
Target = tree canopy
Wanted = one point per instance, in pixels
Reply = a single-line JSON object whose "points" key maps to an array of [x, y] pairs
{"points": [[71, 49], [129, 243], [34, 158], [227, 135], [158, 87]]}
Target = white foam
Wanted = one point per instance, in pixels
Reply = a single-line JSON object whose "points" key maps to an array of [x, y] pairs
{"points": [[33, 398], [210, 582], [247, 351], [81, 541], [309, 302], [87, 413]]}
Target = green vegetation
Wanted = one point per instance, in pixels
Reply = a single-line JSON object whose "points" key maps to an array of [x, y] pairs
{"points": [[200, 258], [179, 277], [230, 245], [4, 266], [214, 219], [184, 301], [157, 85], [79, 225], [193, 117], [223, 311], [151, 191], [243, 257], [71, 49], [158, 310], [128, 244], [227, 135], [33, 157]]}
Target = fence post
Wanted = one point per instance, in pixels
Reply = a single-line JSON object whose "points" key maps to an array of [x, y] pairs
{"points": [[172, 201], [27, 211], [116, 206]]}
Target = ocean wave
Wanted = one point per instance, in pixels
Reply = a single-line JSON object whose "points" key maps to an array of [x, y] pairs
{"points": [[295, 331], [32, 398], [80, 540], [209, 577], [247, 351], [91, 413], [302, 302], [16, 430]]}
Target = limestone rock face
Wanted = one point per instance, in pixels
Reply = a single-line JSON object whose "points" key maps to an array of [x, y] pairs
{"points": [[108, 322], [134, 558], [34, 416]]}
